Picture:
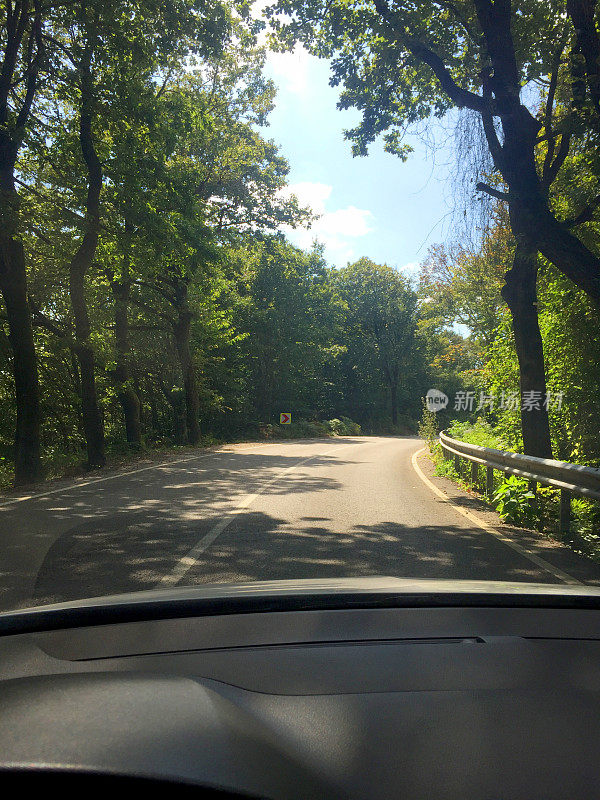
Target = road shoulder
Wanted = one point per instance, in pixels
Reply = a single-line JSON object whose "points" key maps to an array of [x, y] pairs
{"points": [[540, 546]]}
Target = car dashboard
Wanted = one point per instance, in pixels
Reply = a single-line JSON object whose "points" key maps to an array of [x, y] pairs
{"points": [[429, 699]]}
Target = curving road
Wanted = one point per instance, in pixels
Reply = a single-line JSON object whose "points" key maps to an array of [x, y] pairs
{"points": [[312, 508]]}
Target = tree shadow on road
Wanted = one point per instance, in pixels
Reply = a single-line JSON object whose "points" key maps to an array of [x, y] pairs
{"points": [[167, 506], [256, 546]]}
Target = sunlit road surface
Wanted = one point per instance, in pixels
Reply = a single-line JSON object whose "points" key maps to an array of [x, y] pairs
{"points": [[317, 508]]}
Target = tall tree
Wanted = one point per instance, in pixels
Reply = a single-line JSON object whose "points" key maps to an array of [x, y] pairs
{"points": [[402, 62], [113, 55], [221, 180], [287, 314], [85, 50], [23, 53], [473, 285], [382, 307]]}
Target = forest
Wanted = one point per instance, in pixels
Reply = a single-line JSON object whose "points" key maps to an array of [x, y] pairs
{"points": [[151, 298]]}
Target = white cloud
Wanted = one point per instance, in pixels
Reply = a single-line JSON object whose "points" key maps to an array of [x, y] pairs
{"points": [[310, 194], [411, 269], [290, 70], [335, 229], [350, 221]]}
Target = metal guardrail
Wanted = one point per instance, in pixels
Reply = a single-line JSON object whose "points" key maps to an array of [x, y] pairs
{"points": [[571, 479]]}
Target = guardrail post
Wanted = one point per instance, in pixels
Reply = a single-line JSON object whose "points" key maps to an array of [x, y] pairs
{"points": [[533, 487], [474, 472], [457, 464], [489, 481], [565, 511]]}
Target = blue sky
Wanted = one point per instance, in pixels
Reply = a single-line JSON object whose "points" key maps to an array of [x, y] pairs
{"points": [[375, 206]]}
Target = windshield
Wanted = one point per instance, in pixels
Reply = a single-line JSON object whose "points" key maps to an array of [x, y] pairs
{"points": [[296, 290]]}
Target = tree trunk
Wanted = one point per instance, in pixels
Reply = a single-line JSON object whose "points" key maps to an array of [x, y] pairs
{"points": [[13, 284], [521, 296], [568, 254], [176, 398], [182, 331], [515, 157], [513, 152], [266, 384], [93, 424], [127, 395], [528, 204], [587, 47], [126, 392], [154, 416], [18, 57], [394, 401]]}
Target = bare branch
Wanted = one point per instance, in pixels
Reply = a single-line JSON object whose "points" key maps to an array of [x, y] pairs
{"points": [[152, 311], [164, 84], [550, 107], [73, 215], [169, 297], [487, 120], [484, 187]]}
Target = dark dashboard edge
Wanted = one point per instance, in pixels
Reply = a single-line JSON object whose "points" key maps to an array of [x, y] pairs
{"points": [[41, 619]]}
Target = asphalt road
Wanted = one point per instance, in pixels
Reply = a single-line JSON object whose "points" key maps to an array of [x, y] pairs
{"points": [[299, 509]]}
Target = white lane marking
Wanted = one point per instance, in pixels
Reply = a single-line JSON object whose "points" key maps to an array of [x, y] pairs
{"points": [[90, 481], [191, 558], [539, 562]]}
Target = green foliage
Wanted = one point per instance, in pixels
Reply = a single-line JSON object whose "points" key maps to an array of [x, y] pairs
{"points": [[343, 427], [310, 429], [428, 427], [190, 256], [585, 521], [513, 501], [444, 467], [379, 316], [376, 56], [478, 432]]}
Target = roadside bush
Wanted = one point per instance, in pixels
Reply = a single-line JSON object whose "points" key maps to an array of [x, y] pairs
{"points": [[513, 501], [266, 430], [405, 426], [315, 429], [352, 428], [335, 426], [343, 427], [428, 428], [444, 467], [302, 429], [6, 473], [586, 522], [479, 432]]}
